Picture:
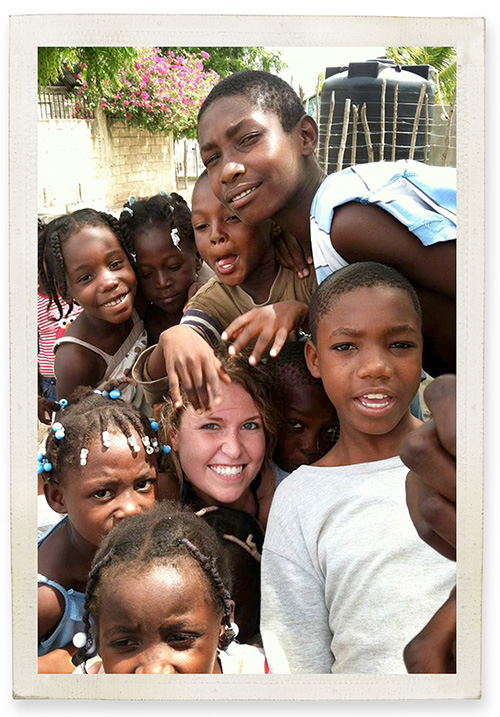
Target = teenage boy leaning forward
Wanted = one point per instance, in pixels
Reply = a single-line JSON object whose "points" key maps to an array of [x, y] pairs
{"points": [[346, 581], [258, 146]]}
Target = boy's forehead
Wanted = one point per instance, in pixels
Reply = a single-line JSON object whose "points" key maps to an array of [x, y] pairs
{"points": [[368, 307], [227, 114]]}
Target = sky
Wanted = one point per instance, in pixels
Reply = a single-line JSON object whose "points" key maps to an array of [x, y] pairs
{"points": [[305, 63]]}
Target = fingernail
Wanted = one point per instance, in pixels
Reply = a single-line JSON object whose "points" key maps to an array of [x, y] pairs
{"points": [[218, 400], [231, 350], [309, 260], [273, 352], [305, 272], [300, 275], [177, 404], [252, 360], [223, 336]]}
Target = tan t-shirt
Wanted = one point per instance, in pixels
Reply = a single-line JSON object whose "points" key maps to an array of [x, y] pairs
{"points": [[215, 305]]}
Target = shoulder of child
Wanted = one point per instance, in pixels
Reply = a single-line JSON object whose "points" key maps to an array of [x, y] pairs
{"points": [[50, 608], [76, 365]]}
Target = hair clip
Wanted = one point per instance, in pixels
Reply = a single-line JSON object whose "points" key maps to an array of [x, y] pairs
{"points": [[166, 448], [106, 441], [133, 444], [174, 235], [63, 403], [58, 429], [83, 456], [129, 211]]}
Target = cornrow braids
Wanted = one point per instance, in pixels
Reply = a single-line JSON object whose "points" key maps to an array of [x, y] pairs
{"points": [[88, 417], [166, 535], [51, 267], [166, 211]]}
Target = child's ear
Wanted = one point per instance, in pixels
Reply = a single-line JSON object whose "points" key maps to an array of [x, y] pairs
{"points": [[311, 356], [55, 496], [223, 626], [308, 135]]}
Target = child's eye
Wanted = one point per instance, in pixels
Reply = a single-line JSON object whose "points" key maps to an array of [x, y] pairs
{"points": [[402, 345], [210, 160], [102, 494], [249, 138], [343, 347], [116, 264], [84, 278], [126, 643], [201, 227], [295, 425], [182, 640], [145, 274], [174, 268], [145, 485], [232, 220], [250, 426]]}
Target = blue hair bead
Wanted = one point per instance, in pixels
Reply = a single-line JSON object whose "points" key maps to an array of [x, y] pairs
{"points": [[47, 467], [166, 448], [115, 393], [40, 457], [40, 468], [59, 434], [63, 402], [57, 426], [154, 425]]}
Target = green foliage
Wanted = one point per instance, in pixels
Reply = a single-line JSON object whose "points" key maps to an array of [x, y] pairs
{"points": [[96, 64], [226, 60], [443, 59]]}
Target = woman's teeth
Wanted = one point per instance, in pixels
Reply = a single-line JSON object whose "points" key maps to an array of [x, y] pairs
{"points": [[227, 470]]}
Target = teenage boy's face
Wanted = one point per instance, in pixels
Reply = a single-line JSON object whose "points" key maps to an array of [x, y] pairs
{"points": [[368, 354], [254, 166], [232, 249]]}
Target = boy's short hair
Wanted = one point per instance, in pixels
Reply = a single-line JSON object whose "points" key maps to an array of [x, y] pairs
{"points": [[267, 92], [362, 274], [290, 368]]}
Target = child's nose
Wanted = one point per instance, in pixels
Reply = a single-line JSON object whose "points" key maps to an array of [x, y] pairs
{"points": [[127, 504], [163, 278], [231, 171], [218, 234], [109, 280], [374, 365], [155, 662]]}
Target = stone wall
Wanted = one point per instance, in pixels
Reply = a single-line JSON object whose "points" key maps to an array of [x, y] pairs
{"points": [[95, 163]]}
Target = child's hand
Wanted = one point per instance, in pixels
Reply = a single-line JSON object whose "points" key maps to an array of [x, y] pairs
{"points": [[293, 254], [265, 324], [190, 360], [433, 650], [430, 453], [45, 409], [57, 661]]}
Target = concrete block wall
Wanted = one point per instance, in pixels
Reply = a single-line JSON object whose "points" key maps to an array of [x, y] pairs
{"points": [[97, 163]]}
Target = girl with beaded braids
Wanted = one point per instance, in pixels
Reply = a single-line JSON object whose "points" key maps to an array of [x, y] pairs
{"points": [[84, 259], [159, 596], [99, 466], [158, 233]]}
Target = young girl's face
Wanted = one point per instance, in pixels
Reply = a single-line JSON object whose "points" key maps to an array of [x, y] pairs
{"points": [[160, 621], [99, 275], [115, 483], [221, 451], [165, 272], [231, 249]]}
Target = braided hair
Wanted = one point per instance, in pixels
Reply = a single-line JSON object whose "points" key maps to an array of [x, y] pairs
{"points": [[87, 417], [51, 267], [166, 211], [166, 535]]}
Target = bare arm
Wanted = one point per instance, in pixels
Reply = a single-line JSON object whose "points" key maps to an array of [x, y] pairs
{"points": [[368, 233], [76, 366]]}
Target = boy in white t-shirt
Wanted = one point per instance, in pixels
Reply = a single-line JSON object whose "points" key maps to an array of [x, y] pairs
{"points": [[346, 581]]}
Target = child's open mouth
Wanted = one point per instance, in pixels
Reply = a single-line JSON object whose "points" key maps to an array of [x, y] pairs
{"points": [[227, 264], [373, 403]]}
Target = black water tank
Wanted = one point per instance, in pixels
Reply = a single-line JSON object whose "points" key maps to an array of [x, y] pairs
{"points": [[362, 83]]}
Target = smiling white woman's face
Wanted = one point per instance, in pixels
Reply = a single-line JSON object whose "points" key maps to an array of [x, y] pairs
{"points": [[222, 451]]}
